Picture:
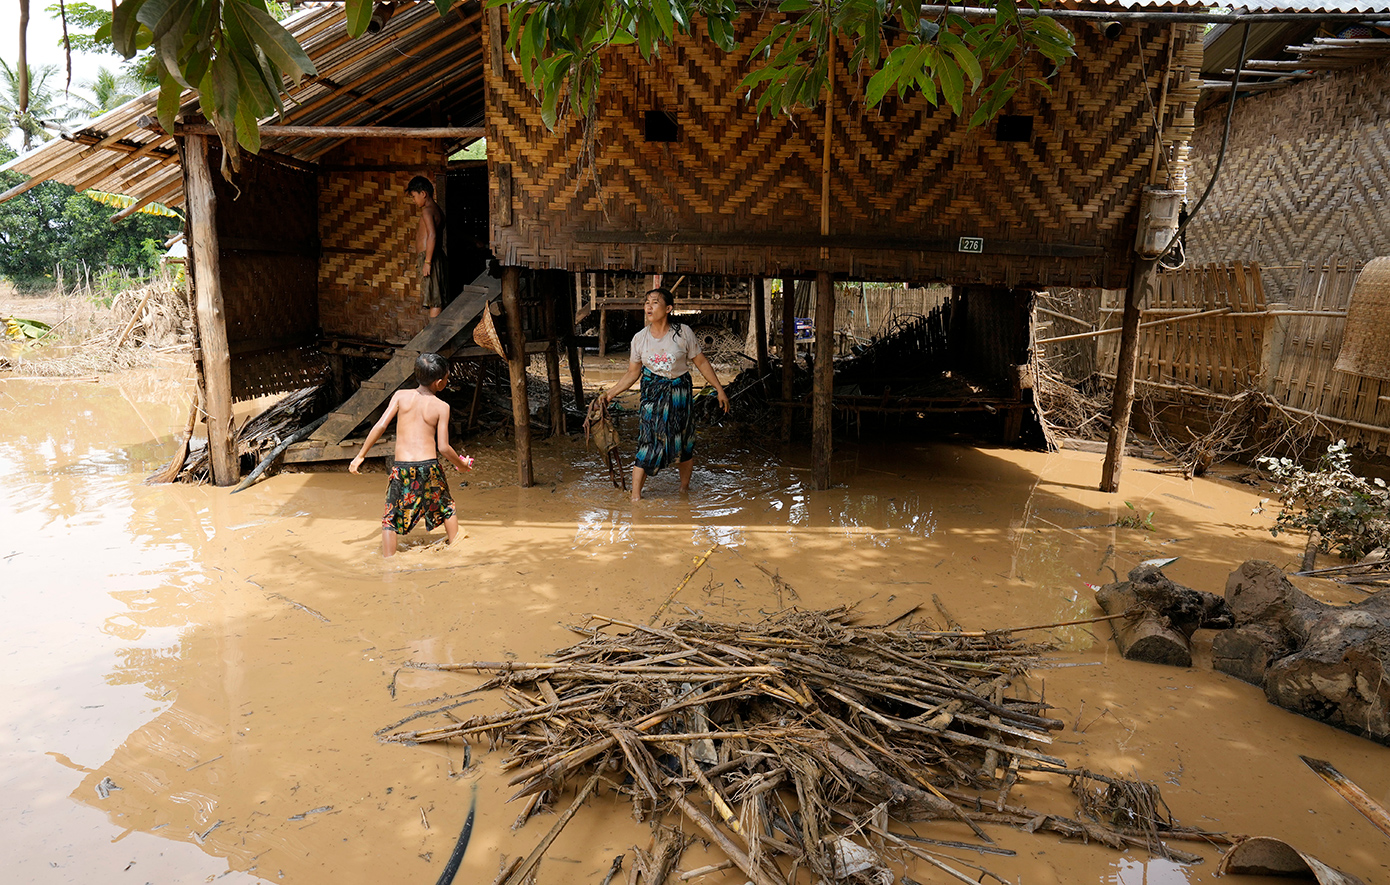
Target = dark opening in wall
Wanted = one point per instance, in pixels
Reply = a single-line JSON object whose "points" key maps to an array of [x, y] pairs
{"points": [[1014, 127], [661, 126]]}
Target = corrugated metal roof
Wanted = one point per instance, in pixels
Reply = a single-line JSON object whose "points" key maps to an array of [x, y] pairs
{"points": [[420, 66]]}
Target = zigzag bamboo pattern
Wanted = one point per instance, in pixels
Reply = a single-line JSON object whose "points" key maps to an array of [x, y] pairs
{"points": [[902, 171]]}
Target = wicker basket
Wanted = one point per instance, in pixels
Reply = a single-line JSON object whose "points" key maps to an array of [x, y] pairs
{"points": [[485, 334]]}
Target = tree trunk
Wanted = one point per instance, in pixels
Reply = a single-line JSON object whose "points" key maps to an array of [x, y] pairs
{"points": [[212, 324], [1163, 616]]}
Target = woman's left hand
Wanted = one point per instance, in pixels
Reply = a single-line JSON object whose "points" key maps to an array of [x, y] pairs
{"points": [[724, 402]]}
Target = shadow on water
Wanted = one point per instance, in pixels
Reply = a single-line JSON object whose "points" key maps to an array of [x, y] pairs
{"points": [[224, 661]]}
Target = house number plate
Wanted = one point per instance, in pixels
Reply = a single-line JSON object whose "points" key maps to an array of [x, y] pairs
{"points": [[972, 244]]}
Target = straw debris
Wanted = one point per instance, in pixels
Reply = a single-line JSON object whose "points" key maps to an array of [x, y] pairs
{"points": [[791, 743]]}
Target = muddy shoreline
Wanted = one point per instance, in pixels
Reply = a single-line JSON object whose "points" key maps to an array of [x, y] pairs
{"points": [[225, 660]]}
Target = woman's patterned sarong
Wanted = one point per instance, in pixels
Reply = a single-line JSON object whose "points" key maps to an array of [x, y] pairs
{"points": [[418, 488], [667, 430]]}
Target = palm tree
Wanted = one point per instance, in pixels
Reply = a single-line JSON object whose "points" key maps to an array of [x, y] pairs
{"points": [[44, 106], [111, 90]]}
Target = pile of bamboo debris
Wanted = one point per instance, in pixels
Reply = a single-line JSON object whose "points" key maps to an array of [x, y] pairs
{"points": [[792, 742]]}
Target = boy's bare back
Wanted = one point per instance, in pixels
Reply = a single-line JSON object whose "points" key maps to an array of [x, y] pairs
{"points": [[419, 419]]}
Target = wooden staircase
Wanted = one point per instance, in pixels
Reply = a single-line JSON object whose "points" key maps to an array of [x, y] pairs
{"points": [[442, 336]]}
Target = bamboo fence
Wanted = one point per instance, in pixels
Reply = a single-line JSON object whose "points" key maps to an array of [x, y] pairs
{"points": [[1210, 330]]}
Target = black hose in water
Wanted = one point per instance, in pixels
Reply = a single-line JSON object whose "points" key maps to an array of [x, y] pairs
{"points": [[452, 867]]}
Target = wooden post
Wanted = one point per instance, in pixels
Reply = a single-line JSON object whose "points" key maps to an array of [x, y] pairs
{"points": [[760, 325], [824, 382], [603, 333], [337, 367], [788, 352], [552, 366], [573, 354], [516, 368], [212, 324], [1127, 362]]}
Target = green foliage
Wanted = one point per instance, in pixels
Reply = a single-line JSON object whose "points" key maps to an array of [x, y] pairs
{"points": [[83, 21], [44, 106], [559, 43], [234, 52], [17, 329], [475, 151], [51, 225], [1133, 520], [1345, 509], [89, 30]]}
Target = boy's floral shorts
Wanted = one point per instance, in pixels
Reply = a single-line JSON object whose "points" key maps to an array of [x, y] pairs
{"points": [[418, 488]]}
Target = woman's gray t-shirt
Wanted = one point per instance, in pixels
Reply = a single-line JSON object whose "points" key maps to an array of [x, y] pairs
{"points": [[668, 356]]}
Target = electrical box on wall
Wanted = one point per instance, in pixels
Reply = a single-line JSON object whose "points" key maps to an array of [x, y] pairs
{"points": [[1158, 221]]}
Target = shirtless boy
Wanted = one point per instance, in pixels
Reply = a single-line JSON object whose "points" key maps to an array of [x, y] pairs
{"points": [[418, 485], [429, 244]]}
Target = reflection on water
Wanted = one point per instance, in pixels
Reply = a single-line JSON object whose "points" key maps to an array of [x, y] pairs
{"points": [[1154, 871], [207, 672]]}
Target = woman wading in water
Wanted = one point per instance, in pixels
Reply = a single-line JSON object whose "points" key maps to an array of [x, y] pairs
{"points": [[661, 356]]}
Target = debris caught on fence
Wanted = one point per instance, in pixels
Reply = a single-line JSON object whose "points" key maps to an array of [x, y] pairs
{"points": [[790, 743]]}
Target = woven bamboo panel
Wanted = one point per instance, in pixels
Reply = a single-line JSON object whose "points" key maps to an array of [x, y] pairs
{"points": [[1365, 347], [1306, 177], [905, 170], [1221, 353], [367, 281], [1351, 407], [267, 233]]}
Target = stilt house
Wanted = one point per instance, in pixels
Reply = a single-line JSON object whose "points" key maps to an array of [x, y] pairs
{"points": [[303, 259]]}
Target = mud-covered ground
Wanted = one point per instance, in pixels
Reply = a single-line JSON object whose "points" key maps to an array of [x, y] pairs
{"points": [[192, 680]]}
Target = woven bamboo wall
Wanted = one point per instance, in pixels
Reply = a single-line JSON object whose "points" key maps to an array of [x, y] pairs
{"points": [[748, 190], [266, 228], [1306, 177], [1258, 345], [1351, 406], [368, 284]]}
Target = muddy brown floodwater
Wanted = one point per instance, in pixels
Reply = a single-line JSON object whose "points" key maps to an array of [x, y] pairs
{"points": [[192, 680]]}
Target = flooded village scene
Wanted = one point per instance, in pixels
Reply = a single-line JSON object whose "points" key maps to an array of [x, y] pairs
{"points": [[584, 441]]}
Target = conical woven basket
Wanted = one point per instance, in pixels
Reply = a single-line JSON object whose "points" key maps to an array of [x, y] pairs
{"points": [[485, 334]]}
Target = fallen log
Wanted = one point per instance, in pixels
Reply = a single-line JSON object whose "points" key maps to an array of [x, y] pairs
{"points": [[1326, 662], [1272, 620], [1161, 616], [1342, 674]]}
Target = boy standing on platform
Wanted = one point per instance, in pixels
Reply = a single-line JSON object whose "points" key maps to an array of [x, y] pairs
{"points": [[418, 486], [429, 245]]}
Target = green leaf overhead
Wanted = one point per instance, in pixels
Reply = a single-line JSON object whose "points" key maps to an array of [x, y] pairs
{"points": [[359, 14], [238, 57]]}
